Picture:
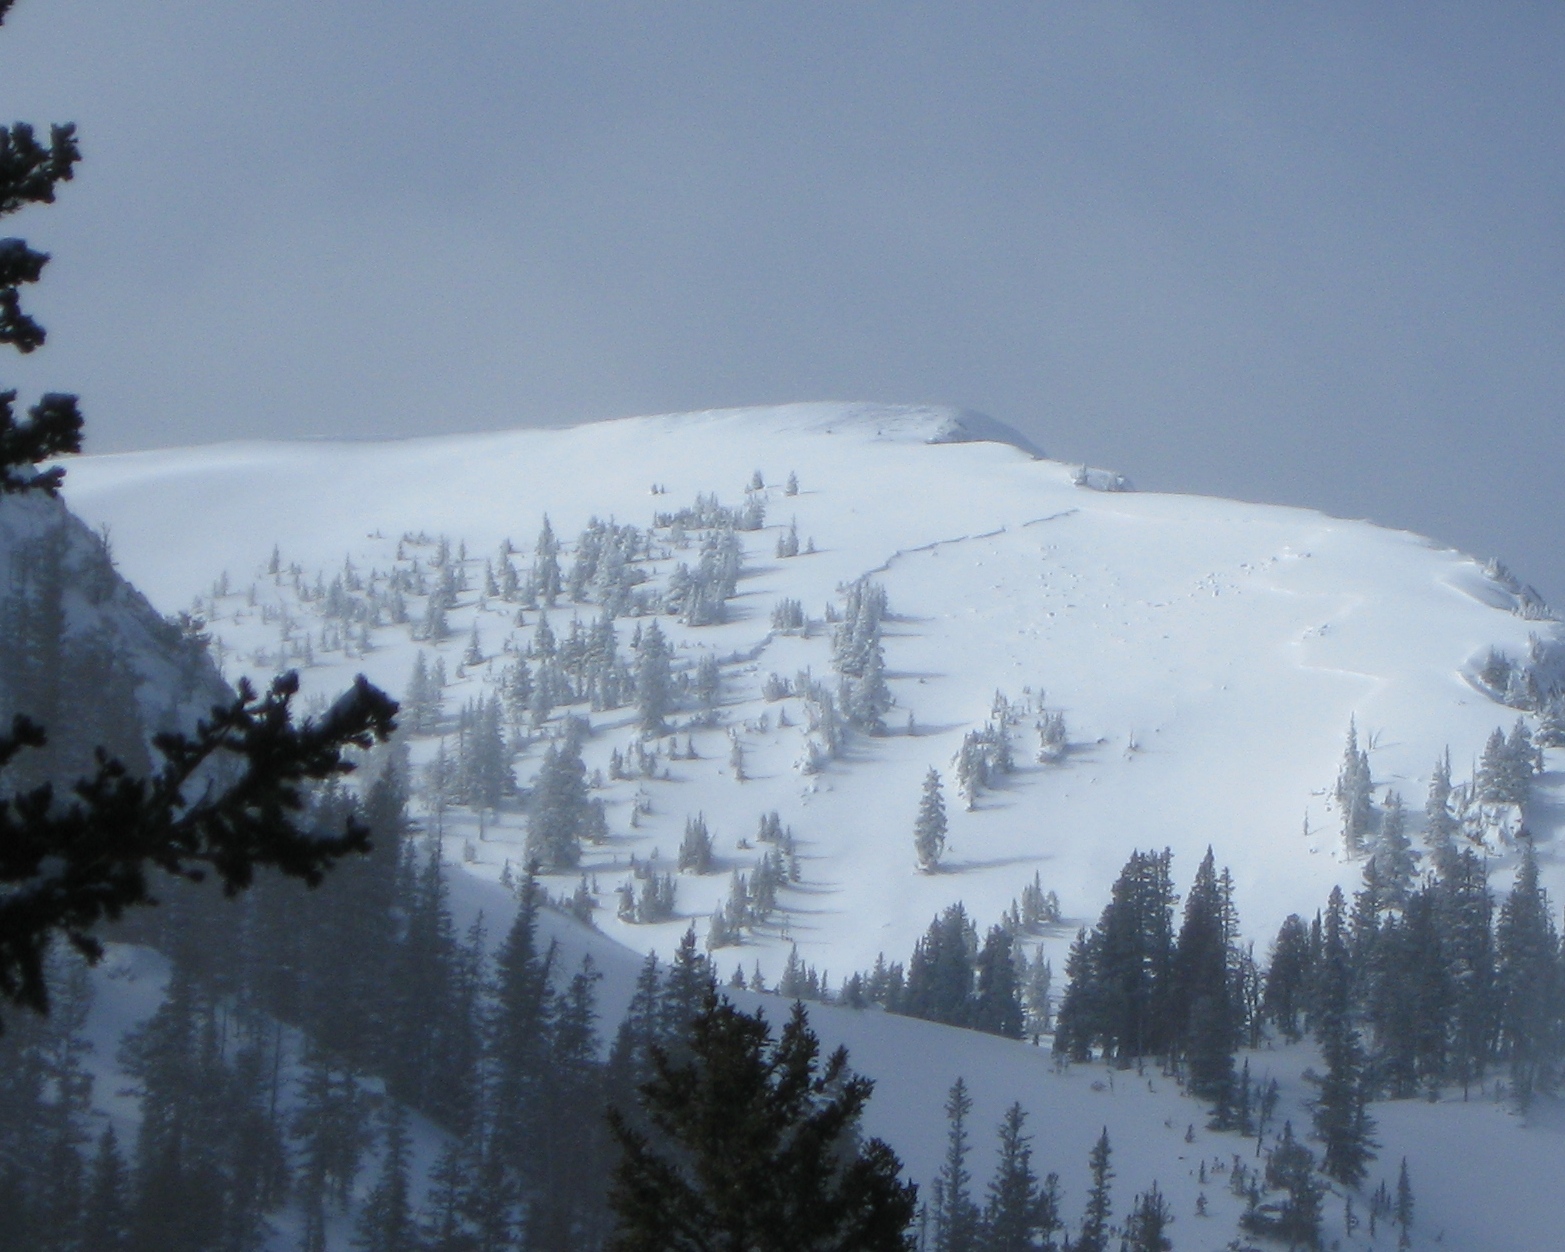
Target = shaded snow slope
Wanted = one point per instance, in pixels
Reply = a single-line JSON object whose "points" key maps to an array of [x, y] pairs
{"points": [[174, 683], [1482, 1178]]}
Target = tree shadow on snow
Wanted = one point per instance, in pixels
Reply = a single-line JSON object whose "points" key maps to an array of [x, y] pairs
{"points": [[999, 862]]}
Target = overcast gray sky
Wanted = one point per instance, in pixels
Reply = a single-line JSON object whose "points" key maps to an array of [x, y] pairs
{"points": [[1303, 253]]}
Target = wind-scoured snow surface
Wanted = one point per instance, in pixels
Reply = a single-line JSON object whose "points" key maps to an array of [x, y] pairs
{"points": [[1207, 657]]}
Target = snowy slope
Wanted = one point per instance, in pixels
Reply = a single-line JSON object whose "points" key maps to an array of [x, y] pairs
{"points": [[1207, 656], [1482, 1179]]}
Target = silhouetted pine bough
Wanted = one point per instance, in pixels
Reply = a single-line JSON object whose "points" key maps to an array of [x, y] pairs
{"points": [[225, 798]]}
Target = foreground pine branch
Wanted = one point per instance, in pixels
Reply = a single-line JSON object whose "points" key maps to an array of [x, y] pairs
{"points": [[225, 801]]}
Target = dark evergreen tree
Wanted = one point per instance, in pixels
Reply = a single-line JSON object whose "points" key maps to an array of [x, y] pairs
{"points": [[695, 850], [1076, 1025], [60, 1176], [940, 975], [254, 1158], [566, 1213], [331, 1131], [765, 1153], [630, 1057], [353, 929], [690, 983], [1412, 1004], [1125, 969], [1288, 977], [492, 1206], [1528, 955], [45, 1099], [956, 1216], [1150, 1217], [423, 986], [516, 690], [1290, 1168], [421, 704], [1206, 1019], [1404, 1204], [1021, 1214], [106, 1212], [386, 1222], [443, 1225], [1342, 1120], [1467, 944], [484, 769], [709, 681], [1094, 1235], [997, 1008], [179, 1200], [520, 1039]]}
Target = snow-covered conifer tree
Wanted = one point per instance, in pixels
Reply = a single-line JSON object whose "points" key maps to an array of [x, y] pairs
{"points": [[421, 704], [653, 680], [1551, 722], [1354, 793], [866, 699], [695, 849], [1440, 825], [1492, 782], [546, 567], [709, 681], [559, 803], [1522, 763], [929, 828], [1051, 738], [1396, 861]]}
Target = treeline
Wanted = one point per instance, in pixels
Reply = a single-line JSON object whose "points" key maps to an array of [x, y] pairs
{"points": [[952, 977], [1408, 991], [297, 1033]]}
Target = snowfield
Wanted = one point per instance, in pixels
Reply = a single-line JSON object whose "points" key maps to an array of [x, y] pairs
{"points": [[1207, 657]]}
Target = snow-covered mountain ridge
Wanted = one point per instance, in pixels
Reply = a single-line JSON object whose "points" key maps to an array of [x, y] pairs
{"points": [[1207, 656]]}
